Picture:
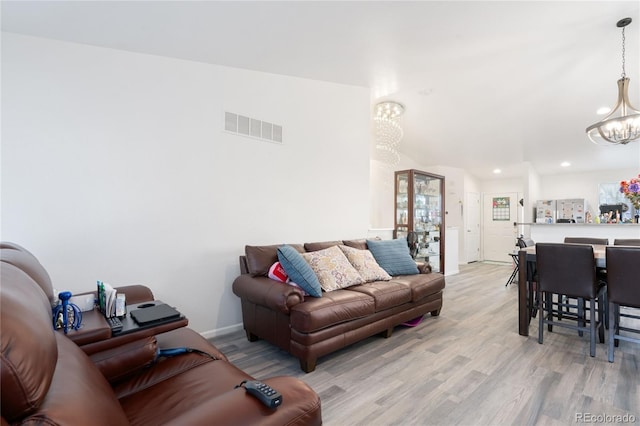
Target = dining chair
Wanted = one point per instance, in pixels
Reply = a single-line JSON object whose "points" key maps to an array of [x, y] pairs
{"points": [[586, 240], [601, 272], [626, 242], [569, 269], [623, 289]]}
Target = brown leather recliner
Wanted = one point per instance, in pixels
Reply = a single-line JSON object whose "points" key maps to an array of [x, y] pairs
{"points": [[48, 379]]}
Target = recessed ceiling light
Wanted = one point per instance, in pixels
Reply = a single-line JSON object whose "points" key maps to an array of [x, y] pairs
{"points": [[496, 171], [603, 110], [565, 164]]}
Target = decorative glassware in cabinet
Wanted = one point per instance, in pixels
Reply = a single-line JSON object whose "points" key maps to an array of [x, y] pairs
{"points": [[419, 216]]}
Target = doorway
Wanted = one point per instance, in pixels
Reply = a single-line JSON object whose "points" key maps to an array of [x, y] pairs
{"points": [[499, 234], [472, 227]]}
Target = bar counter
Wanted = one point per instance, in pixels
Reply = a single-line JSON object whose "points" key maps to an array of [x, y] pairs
{"points": [[556, 232]]}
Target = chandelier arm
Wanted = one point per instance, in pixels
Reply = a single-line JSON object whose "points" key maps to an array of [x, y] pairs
{"points": [[618, 102], [625, 97]]}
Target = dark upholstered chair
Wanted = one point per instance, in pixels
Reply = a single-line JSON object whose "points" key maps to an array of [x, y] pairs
{"points": [[623, 289], [626, 242], [586, 240], [569, 269], [601, 272]]}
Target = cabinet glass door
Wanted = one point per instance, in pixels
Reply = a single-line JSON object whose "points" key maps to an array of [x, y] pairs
{"points": [[428, 217], [402, 205]]}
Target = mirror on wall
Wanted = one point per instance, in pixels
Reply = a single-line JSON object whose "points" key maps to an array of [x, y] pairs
{"points": [[611, 200]]}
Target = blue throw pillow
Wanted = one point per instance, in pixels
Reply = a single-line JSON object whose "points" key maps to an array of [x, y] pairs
{"points": [[299, 270], [393, 256]]}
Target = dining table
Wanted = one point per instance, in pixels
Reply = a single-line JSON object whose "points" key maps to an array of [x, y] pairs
{"points": [[527, 264]]}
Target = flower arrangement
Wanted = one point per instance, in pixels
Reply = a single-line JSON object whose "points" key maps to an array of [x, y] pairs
{"points": [[631, 190]]}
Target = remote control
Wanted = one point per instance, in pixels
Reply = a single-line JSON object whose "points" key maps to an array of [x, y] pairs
{"points": [[265, 393], [115, 324]]}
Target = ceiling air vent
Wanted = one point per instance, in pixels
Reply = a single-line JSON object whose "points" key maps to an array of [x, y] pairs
{"points": [[252, 127]]}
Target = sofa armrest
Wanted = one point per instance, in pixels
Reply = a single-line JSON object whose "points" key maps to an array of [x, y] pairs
{"points": [[119, 362], [267, 292], [136, 293]]}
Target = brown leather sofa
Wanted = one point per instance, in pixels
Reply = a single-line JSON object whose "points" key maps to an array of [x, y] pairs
{"points": [[46, 378], [309, 327]]}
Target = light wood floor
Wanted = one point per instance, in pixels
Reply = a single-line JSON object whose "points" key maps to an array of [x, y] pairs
{"points": [[468, 366]]}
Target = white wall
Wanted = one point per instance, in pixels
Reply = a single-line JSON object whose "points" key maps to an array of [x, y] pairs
{"points": [[502, 185], [115, 168], [382, 192], [531, 194]]}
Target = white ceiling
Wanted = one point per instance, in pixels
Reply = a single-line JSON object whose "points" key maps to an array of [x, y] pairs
{"points": [[486, 84]]}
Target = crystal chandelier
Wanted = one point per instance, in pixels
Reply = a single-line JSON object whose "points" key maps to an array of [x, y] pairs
{"points": [[622, 125], [388, 131]]}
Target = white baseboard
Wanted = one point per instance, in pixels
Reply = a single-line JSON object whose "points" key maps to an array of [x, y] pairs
{"points": [[451, 272], [210, 334]]}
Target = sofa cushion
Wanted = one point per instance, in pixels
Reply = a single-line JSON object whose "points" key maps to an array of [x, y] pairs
{"points": [[260, 258], [299, 270], [366, 265], [28, 363], [393, 256], [333, 308], [332, 268], [321, 245], [360, 244], [29, 264], [46, 378], [422, 285], [386, 294]]}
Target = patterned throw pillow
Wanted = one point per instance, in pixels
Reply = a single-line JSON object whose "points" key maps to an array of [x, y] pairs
{"points": [[299, 270], [365, 264], [393, 256], [332, 268]]}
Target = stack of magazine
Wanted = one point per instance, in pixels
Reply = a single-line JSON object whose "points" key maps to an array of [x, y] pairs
{"points": [[107, 299]]}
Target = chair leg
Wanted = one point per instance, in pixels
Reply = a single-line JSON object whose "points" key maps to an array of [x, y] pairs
{"points": [[606, 307], [592, 326], [549, 299], [541, 318], [612, 320], [616, 325], [603, 312], [531, 294], [581, 315]]}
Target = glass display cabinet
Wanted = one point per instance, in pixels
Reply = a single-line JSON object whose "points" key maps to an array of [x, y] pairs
{"points": [[419, 215]]}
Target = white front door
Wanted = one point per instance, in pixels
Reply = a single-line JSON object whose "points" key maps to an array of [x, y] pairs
{"points": [[472, 227], [499, 233]]}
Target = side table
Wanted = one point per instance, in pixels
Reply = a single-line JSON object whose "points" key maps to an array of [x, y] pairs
{"points": [[94, 334]]}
